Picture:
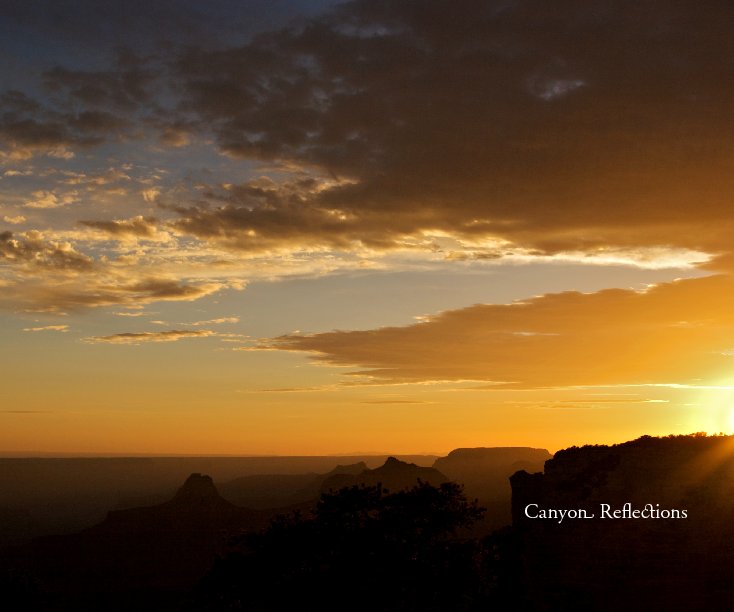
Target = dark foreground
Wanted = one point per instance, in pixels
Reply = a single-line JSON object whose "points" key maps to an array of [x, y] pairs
{"points": [[648, 524]]}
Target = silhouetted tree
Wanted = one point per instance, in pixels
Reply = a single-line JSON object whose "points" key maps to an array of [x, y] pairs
{"points": [[363, 549]]}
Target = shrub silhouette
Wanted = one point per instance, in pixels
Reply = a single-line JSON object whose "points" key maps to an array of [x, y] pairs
{"points": [[363, 548]]}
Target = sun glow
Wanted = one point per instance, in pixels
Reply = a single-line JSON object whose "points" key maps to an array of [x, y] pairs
{"points": [[715, 409]]}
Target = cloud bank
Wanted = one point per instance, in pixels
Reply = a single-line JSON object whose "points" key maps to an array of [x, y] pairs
{"points": [[680, 333]]}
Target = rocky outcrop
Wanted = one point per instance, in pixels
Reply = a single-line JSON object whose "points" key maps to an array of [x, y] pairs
{"points": [[153, 550], [198, 489], [648, 524], [263, 491], [468, 462], [393, 475], [485, 474]]}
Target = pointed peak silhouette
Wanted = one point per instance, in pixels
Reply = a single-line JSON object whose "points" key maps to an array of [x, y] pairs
{"points": [[393, 465], [393, 475]]}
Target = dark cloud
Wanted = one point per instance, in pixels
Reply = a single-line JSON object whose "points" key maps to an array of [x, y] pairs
{"points": [[17, 102], [27, 124], [675, 333], [97, 122], [103, 63], [574, 126], [579, 126], [261, 215], [163, 289], [20, 131], [100, 26], [141, 227], [126, 86]]}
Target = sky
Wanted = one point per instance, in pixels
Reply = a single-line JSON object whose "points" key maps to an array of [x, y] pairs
{"points": [[329, 227]]}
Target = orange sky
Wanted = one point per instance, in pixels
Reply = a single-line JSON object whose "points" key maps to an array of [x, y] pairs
{"points": [[337, 227]]}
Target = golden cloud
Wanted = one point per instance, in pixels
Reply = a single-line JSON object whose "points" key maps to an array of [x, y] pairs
{"points": [[218, 321], [106, 290], [173, 335], [32, 250], [587, 131], [59, 328], [139, 227], [16, 220], [672, 333]]}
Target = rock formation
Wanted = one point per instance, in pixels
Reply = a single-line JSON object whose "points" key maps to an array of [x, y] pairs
{"points": [[485, 474], [393, 475], [648, 524]]}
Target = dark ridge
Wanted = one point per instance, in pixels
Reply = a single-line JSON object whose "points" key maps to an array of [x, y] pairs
{"points": [[485, 474], [393, 475], [677, 556]]}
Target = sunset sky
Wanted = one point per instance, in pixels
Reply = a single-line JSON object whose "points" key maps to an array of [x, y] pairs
{"points": [[316, 227]]}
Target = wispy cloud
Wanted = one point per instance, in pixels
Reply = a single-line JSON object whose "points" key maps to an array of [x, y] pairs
{"points": [[173, 335], [219, 321], [81, 292], [393, 401], [24, 411], [294, 389], [57, 328], [136, 227]]}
